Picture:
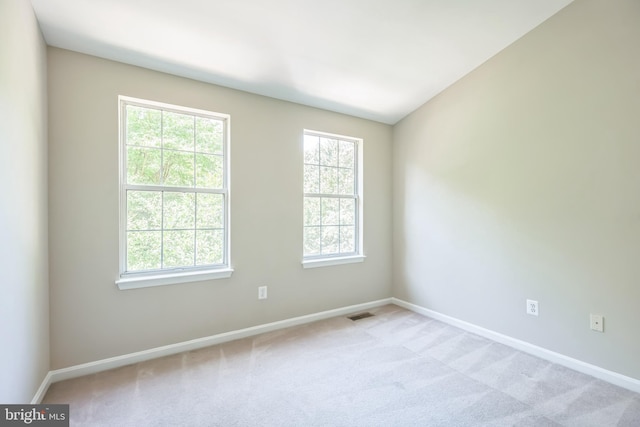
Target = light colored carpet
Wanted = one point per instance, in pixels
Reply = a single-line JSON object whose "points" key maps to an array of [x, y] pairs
{"points": [[395, 369]]}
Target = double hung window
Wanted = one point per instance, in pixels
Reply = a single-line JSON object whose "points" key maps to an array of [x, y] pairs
{"points": [[174, 194], [332, 197]]}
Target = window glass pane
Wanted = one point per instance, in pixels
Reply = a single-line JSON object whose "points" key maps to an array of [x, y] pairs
{"points": [[210, 210], [178, 248], [144, 126], [168, 227], [312, 211], [312, 238], [143, 165], [345, 181], [330, 239], [177, 169], [328, 152], [311, 179], [209, 171], [143, 250], [347, 211], [210, 244], [330, 168], [144, 210], [179, 210], [311, 149], [209, 135], [346, 154], [347, 239], [177, 131], [330, 211], [328, 180]]}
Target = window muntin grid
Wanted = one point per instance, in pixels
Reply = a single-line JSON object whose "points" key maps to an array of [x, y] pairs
{"points": [[174, 189], [331, 199]]}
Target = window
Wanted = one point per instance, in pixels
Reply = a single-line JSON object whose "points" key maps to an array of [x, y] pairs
{"points": [[174, 194], [332, 199]]}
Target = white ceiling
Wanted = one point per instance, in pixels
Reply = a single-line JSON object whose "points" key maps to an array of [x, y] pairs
{"points": [[376, 59]]}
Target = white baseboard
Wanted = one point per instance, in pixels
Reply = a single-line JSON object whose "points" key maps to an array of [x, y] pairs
{"points": [[629, 383], [167, 350], [42, 389], [141, 356]]}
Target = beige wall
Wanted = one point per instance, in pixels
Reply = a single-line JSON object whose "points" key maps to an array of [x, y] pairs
{"points": [[519, 181], [24, 300], [91, 319], [522, 180]]}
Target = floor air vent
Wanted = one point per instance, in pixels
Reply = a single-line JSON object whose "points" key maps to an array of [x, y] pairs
{"points": [[360, 316]]}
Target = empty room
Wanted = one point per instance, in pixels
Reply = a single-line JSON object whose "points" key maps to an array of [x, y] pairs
{"points": [[303, 213]]}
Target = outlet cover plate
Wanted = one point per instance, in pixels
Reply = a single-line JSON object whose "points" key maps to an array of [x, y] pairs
{"points": [[597, 322], [532, 307], [262, 292]]}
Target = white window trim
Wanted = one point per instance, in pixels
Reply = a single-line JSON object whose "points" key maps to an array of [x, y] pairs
{"points": [[326, 261], [145, 281], [181, 275], [315, 261]]}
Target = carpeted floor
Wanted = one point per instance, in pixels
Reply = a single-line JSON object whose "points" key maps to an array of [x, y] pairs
{"points": [[397, 368]]}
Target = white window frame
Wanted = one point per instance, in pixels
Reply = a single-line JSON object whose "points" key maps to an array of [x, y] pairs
{"points": [[324, 260], [169, 276]]}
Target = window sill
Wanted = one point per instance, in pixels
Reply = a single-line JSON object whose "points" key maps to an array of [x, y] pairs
{"points": [[135, 282], [326, 262]]}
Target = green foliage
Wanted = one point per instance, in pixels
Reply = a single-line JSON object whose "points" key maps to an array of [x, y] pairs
{"points": [[174, 229], [144, 210], [347, 212], [209, 171], [328, 152], [209, 136], [312, 240], [178, 131], [346, 181], [328, 180], [144, 126], [329, 222], [312, 214], [179, 210], [311, 178], [167, 229], [347, 239], [178, 248], [209, 246], [210, 211], [173, 149], [143, 165], [177, 169], [144, 250]]}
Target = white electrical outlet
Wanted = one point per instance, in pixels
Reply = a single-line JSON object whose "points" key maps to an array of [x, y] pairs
{"points": [[262, 292], [532, 307], [597, 322]]}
